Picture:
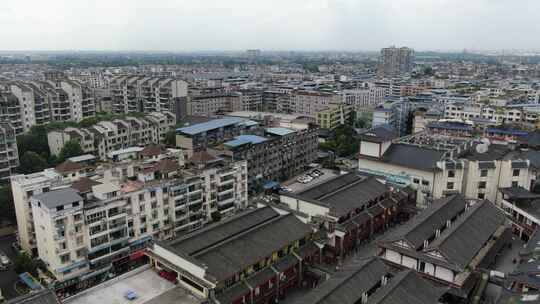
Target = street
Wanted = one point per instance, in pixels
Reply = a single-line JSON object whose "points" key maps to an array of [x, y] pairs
{"points": [[8, 277]]}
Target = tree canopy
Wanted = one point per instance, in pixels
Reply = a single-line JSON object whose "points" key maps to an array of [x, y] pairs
{"points": [[32, 162], [71, 148]]}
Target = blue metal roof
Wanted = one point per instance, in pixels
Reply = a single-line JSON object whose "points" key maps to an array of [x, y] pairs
{"points": [[507, 132], [27, 279], [279, 131], [210, 125], [245, 139], [450, 126]]}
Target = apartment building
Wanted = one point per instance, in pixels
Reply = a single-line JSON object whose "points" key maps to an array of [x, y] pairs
{"points": [[395, 61], [309, 103], [33, 106], [133, 93], [279, 154], [437, 166], [198, 137], [9, 155], [334, 115], [107, 136], [85, 222], [212, 104], [363, 98], [273, 101], [251, 100]]}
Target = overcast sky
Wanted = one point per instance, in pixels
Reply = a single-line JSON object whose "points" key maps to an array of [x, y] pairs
{"points": [[187, 25]]}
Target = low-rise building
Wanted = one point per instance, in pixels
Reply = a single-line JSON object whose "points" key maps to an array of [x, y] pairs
{"points": [[349, 209], [371, 281], [254, 257], [448, 242]]}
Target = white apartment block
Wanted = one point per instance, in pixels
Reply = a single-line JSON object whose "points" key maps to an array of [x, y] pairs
{"points": [[146, 94], [310, 102], [435, 170], [81, 220], [495, 115], [37, 103], [363, 98], [210, 105], [107, 136], [32, 106], [9, 155]]}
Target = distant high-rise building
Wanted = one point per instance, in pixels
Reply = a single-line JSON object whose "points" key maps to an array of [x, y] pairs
{"points": [[394, 61]]}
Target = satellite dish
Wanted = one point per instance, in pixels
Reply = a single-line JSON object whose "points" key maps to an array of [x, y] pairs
{"points": [[482, 148]]}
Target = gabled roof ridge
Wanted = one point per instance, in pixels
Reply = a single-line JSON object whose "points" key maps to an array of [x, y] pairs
{"points": [[240, 234]]}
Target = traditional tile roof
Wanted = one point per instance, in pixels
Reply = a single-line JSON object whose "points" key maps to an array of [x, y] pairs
{"points": [[68, 167]]}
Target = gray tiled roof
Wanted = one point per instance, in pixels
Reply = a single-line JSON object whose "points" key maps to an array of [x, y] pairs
{"points": [[424, 225], [347, 285], [237, 253], [462, 242], [413, 157], [346, 193], [406, 288], [212, 235], [55, 198]]}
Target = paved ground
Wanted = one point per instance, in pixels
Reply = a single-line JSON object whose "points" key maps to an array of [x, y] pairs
{"points": [[147, 284], [8, 278], [504, 263], [175, 296], [297, 187]]}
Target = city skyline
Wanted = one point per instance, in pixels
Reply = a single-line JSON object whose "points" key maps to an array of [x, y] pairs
{"points": [[181, 26]]}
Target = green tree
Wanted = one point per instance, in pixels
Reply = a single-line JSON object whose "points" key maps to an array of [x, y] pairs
{"points": [[24, 263], [32, 162], [7, 209], [71, 148], [170, 138]]}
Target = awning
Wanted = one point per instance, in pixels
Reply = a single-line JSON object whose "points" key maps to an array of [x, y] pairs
{"points": [[27, 279], [137, 255]]}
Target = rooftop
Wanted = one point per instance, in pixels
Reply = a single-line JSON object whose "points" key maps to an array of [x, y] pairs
{"points": [[279, 131], [245, 139], [60, 197], [210, 125]]}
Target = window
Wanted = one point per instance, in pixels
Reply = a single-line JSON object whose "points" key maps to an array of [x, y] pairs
{"points": [[483, 172], [481, 195], [515, 184], [416, 181], [80, 240], [515, 172], [481, 185], [425, 183], [153, 193], [59, 208], [451, 173], [75, 204], [64, 258], [143, 230], [450, 186], [141, 197]]}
